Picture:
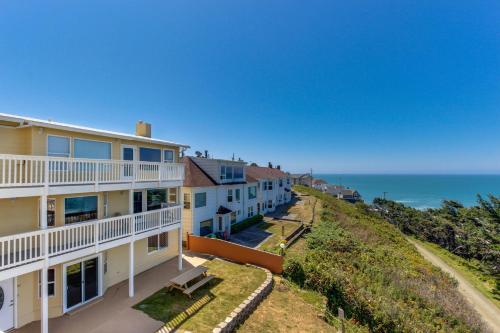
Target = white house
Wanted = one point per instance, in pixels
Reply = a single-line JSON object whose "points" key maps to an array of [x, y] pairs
{"points": [[274, 187], [217, 194]]}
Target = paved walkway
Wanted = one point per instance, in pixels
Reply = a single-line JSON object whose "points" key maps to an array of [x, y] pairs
{"points": [[114, 313], [486, 309], [251, 236]]}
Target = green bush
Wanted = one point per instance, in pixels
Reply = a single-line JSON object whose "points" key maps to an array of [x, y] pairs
{"points": [[237, 227], [365, 266]]}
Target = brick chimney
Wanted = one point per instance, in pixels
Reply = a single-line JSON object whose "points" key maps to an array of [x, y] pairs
{"points": [[143, 128]]}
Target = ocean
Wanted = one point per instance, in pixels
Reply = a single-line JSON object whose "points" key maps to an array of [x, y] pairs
{"points": [[419, 191]]}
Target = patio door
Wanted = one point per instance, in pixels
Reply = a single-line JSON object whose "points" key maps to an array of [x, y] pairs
{"points": [[82, 282], [6, 305], [129, 153]]}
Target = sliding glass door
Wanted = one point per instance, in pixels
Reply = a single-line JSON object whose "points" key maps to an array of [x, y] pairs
{"points": [[82, 282]]}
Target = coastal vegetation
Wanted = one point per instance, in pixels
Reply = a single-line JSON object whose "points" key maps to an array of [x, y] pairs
{"points": [[365, 266], [470, 234]]}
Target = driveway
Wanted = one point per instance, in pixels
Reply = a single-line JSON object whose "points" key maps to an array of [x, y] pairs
{"points": [[251, 237], [114, 312]]}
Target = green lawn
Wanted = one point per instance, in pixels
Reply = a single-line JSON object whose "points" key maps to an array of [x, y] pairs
{"points": [[275, 227], [210, 304], [468, 268]]}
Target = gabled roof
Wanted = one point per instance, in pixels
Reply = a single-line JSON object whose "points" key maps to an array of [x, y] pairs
{"points": [[27, 121], [194, 176], [257, 172], [223, 210]]}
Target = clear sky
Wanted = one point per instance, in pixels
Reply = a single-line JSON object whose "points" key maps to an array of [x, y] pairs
{"points": [[336, 86]]}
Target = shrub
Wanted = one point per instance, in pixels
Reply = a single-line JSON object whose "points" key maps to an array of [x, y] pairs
{"points": [[365, 266], [237, 227]]}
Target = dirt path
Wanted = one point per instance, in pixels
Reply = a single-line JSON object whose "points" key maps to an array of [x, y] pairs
{"points": [[486, 309]]}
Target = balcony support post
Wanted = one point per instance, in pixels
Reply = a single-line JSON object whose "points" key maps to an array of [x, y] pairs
{"points": [[44, 318], [131, 270], [179, 233], [43, 210]]}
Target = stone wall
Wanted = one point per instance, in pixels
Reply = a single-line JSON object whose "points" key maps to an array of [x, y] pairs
{"points": [[242, 311]]}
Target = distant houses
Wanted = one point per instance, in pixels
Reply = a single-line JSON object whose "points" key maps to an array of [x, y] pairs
{"points": [[338, 191], [304, 179]]}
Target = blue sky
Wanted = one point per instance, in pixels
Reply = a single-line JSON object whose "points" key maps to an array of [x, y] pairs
{"points": [[336, 86]]}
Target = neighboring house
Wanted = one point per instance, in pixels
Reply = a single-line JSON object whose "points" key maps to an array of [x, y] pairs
{"points": [[304, 179], [217, 194], [274, 187], [81, 209], [318, 183], [340, 192]]}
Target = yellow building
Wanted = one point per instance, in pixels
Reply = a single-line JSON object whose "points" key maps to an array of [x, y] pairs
{"points": [[81, 209]]}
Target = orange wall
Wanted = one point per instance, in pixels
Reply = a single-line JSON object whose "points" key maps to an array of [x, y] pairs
{"points": [[235, 252]]}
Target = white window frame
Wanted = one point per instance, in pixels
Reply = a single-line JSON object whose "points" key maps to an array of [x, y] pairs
{"points": [[205, 205], [102, 141], [60, 136], [230, 197], [158, 248], [163, 156], [48, 283], [237, 195]]}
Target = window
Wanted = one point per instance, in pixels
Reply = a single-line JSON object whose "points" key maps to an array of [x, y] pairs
{"points": [[92, 149], [149, 154], [156, 199], [223, 172], [58, 146], [288, 181], [51, 282], [281, 182], [206, 227], [187, 201], [237, 194], [229, 172], [250, 211], [158, 242], [269, 204], [230, 195], [172, 195], [51, 212], [221, 224], [168, 156], [252, 192], [200, 200], [238, 172], [233, 217], [80, 209]]}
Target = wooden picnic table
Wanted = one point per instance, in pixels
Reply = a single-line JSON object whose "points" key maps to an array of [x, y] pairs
{"points": [[181, 281]]}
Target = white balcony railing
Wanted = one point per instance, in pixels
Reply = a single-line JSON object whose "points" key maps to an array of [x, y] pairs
{"points": [[25, 170], [27, 247]]}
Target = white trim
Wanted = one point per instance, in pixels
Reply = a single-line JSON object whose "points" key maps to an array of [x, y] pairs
{"points": [[158, 249], [28, 121], [15, 304], [100, 280], [134, 148]]}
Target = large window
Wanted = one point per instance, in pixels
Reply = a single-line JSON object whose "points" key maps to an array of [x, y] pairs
{"points": [[252, 192], [238, 172], [51, 282], [80, 209], [168, 156], [58, 146], [92, 149], [206, 227], [157, 198], [149, 154], [158, 242], [200, 200]]}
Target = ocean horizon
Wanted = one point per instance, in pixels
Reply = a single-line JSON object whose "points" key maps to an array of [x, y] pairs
{"points": [[420, 191]]}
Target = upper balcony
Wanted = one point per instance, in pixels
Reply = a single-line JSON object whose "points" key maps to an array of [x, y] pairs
{"points": [[25, 175], [24, 252]]}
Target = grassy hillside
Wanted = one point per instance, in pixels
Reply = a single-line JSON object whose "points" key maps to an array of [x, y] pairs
{"points": [[365, 265]]}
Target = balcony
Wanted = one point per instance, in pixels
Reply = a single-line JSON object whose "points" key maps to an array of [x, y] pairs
{"points": [[72, 241], [24, 174]]}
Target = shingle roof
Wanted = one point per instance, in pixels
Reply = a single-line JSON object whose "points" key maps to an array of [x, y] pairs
{"points": [[194, 176], [264, 173]]}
